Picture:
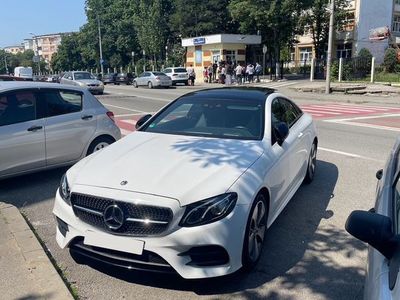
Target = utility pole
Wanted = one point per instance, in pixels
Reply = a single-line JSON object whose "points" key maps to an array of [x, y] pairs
{"points": [[100, 47], [34, 36], [330, 42]]}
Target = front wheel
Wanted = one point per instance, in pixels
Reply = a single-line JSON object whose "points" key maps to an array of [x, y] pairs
{"points": [[311, 164], [255, 233], [99, 144], [150, 85], [135, 84]]}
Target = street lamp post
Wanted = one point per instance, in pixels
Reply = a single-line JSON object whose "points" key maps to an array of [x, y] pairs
{"points": [[34, 36], [144, 59]]}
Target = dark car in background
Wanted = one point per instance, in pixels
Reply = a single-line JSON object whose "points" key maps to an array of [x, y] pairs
{"points": [[124, 78], [109, 78], [5, 77]]}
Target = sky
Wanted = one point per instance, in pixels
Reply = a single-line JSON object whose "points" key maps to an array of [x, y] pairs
{"points": [[20, 17]]}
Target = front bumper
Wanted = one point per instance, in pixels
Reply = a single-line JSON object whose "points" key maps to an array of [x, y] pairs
{"points": [[180, 249], [96, 89]]}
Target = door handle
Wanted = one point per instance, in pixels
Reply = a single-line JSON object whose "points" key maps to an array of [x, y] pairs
{"points": [[300, 135], [35, 128], [86, 117]]}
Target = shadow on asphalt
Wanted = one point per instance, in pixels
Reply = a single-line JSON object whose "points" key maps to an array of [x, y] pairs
{"points": [[293, 233], [30, 189]]}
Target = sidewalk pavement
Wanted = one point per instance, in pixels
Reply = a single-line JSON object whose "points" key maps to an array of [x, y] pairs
{"points": [[25, 270]]}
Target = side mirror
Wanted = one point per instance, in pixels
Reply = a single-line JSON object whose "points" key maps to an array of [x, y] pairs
{"points": [[281, 131], [374, 229], [142, 120]]}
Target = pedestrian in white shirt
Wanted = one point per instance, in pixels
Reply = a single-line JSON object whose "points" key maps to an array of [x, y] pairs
{"points": [[238, 72]]}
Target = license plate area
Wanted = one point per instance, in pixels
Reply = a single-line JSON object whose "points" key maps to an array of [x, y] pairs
{"points": [[119, 243]]}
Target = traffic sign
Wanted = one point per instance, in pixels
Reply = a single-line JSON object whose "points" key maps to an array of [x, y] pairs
{"points": [[265, 49], [102, 61]]}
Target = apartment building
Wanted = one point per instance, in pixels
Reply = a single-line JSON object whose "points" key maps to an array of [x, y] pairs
{"points": [[362, 16], [46, 45], [14, 49]]}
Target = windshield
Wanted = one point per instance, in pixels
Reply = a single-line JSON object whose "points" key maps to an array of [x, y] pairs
{"points": [[180, 70], [83, 75], [159, 74], [218, 118]]}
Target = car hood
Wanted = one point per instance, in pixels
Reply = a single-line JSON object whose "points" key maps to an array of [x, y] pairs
{"points": [[88, 81], [187, 169]]}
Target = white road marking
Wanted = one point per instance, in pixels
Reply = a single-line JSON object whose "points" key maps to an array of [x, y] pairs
{"points": [[348, 121], [129, 115], [319, 111], [125, 132], [128, 121], [364, 118], [349, 154], [279, 84], [125, 108], [340, 109]]}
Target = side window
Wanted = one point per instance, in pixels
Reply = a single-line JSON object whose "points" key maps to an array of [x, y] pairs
{"points": [[291, 113], [17, 107], [277, 112], [62, 102], [167, 71]]}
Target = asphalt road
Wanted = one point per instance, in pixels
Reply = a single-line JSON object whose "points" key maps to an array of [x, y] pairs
{"points": [[307, 254]]}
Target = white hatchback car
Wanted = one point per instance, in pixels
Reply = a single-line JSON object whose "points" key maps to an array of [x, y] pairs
{"points": [[380, 228], [194, 189], [43, 125]]}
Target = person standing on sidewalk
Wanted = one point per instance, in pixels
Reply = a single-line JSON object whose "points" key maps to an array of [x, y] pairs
{"points": [[214, 67], [210, 73], [192, 75], [238, 72], [258, 70], [250, 72]]}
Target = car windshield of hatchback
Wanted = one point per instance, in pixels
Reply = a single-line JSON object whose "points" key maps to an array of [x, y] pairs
{"points": [[208, 117], [83, 75], [180, 70]]}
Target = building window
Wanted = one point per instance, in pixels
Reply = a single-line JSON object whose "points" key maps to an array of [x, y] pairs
{"points": [[305, 54], [292, 55], [344, 50], [230, 56], [348, 22], [397, 2], [396, 23]]}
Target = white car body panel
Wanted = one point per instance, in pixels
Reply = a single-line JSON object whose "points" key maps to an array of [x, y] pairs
{"points": [[175, 170]]}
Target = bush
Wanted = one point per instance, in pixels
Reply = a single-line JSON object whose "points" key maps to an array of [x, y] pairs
{"points": [[390, 60]]}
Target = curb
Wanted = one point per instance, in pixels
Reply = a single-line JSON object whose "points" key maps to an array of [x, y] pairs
{"points": [[30, 261]]}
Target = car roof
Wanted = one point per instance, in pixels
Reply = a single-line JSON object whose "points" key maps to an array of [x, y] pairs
{"points": [[17, 85], [257, 93]]}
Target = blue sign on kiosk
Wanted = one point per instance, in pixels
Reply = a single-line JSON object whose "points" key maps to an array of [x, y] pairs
{"points": [[199, 41]]}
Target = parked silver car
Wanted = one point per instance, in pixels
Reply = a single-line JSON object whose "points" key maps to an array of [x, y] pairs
{"points": [[83, 79], [380, 228], [43, 125], [152, 79], [177, 75]]}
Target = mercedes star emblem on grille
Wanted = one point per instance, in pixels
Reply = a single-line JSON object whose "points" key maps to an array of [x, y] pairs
{"points": [[124, 182], [114, 217]]}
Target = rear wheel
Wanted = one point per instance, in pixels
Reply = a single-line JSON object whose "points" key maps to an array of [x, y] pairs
{"points": [[150, 85], [311, 165], [135, 84], [255, 232], [100, 143]]}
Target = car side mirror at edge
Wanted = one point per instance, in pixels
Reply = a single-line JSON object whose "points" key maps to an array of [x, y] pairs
{"points": [[142, 120], [281, 131], [374, 229]]}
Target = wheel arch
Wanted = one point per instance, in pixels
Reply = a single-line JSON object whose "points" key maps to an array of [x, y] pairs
{"points": [[104, 135]]}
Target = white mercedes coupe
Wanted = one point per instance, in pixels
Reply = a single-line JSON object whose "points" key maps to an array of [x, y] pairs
{"points": [[194, 189]]}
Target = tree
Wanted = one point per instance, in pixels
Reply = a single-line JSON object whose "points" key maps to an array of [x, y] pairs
{"points": [[68, 56], [316, 18], [390, 60], [275, 20]]}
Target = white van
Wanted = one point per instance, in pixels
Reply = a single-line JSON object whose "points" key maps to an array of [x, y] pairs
{"points": [[23, 72]]}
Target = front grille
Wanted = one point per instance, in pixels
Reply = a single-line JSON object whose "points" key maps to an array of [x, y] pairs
{"points": [[93, 85], [148, 261], [140, 220]]}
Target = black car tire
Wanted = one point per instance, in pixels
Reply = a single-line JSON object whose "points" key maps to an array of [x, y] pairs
{"points": [[101, 140], [135, 84], [186, 82], [150, 85], [311, 164], [249, 262]]}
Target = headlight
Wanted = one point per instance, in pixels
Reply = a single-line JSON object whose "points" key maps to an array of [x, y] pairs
{"points": [[209, 210], [82, 84], [65, 192]]}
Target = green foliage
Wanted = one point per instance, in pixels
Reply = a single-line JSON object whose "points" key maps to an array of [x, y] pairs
{"points": [[316, 18], [23, 59], [390, 60], [365, 53]]}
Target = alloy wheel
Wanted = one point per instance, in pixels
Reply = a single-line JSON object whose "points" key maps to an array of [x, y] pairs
{"points": [[257, 231]]}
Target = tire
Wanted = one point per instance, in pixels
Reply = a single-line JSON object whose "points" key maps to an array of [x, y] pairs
{"points": [[255, 233], [99, 143], [150, 85], [135, 84], [186, 83], [311, 164]]}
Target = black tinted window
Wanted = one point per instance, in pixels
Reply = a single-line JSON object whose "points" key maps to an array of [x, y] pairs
{"points": [[284, 111], [180, 70], [17, 107], [62, 102], [292, 113]]}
